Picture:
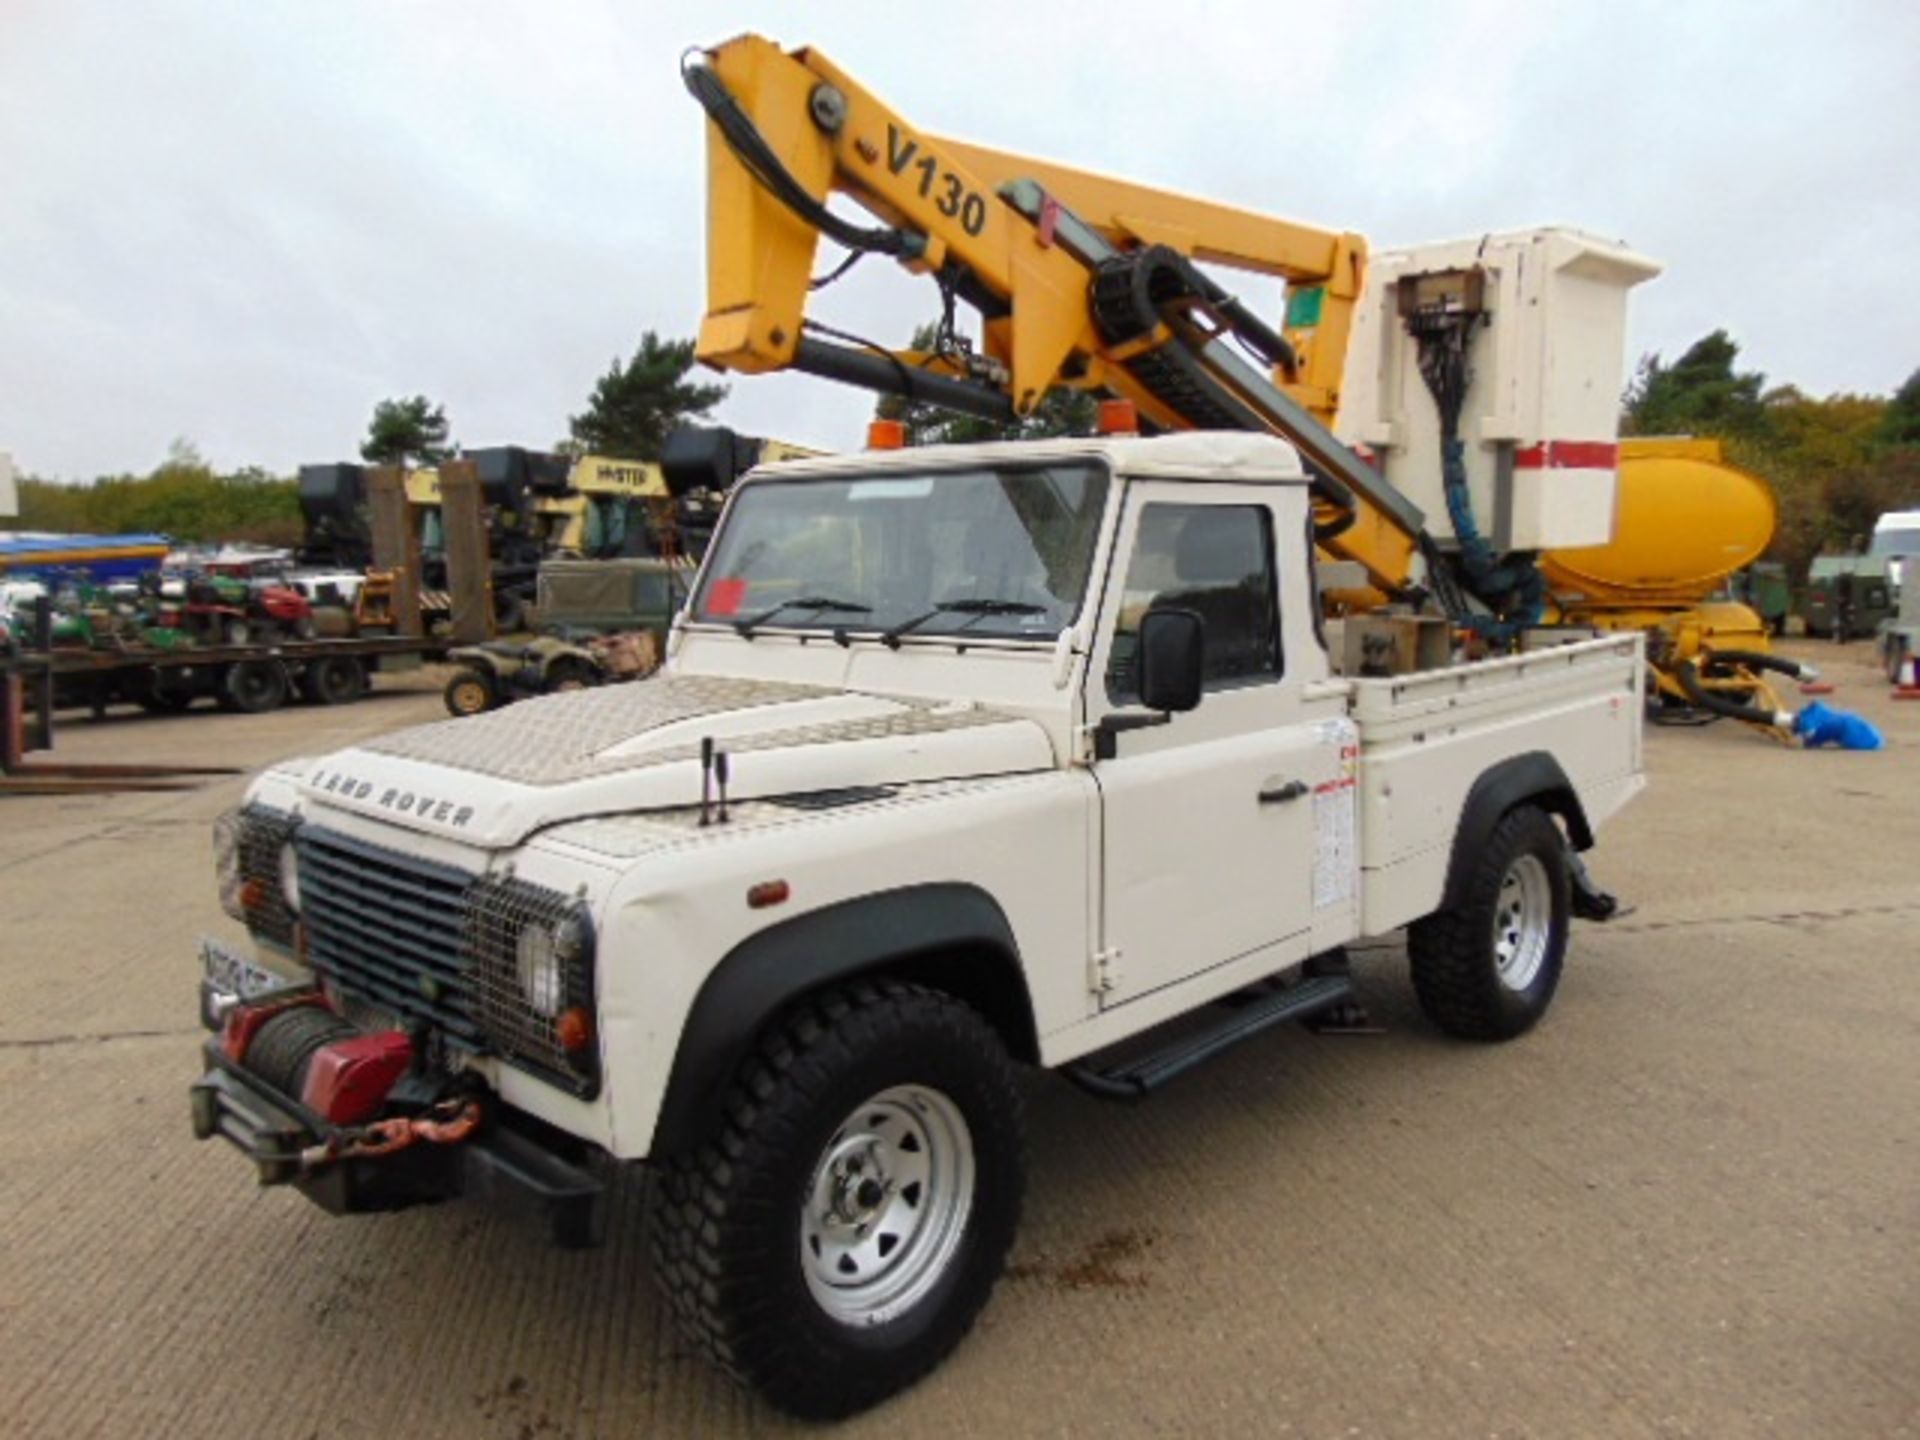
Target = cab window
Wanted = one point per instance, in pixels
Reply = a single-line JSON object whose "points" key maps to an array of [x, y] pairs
{"points": [[1217, 561]]}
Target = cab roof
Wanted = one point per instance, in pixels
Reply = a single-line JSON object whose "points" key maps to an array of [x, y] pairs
{"points": [[1188, 455]]}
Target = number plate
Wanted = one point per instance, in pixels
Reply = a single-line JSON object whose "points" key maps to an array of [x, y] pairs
{"points": [[232, 973]]}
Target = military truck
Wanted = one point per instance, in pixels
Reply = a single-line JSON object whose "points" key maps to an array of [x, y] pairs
{"points": [[1848, 596], [600, 621]]}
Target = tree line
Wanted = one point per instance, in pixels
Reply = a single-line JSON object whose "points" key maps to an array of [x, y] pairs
{"points": [[627, 415], [1835, 463]]}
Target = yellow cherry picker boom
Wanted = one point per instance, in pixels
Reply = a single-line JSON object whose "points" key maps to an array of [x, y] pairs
{"points": [[1079, 280], [1093, 283]]}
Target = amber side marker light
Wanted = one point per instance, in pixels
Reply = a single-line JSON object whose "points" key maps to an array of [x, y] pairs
{"points": [[1119, 417], [574, 1030], [886, 435], [768, 892]]}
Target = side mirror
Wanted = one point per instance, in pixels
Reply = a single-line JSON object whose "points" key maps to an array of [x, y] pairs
{"points": [[1170, 657]]}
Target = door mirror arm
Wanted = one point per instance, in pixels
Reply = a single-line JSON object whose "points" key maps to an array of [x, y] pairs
{"points": [[1106, 735], [1170, 664]]}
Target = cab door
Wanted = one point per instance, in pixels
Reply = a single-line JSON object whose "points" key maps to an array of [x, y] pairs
{"points": [[1206, 820]]}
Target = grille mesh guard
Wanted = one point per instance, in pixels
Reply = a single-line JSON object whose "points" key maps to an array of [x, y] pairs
{"points": [[247, 844], [499, 914]]}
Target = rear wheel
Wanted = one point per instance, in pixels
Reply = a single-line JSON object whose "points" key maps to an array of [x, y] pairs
{"points": [[253, 687], [469, 692], [1487, 968], [333, 680], [845, 1217]]}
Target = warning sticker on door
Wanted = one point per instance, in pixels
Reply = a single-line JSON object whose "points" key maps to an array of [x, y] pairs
{"points": [[1336, 858]]}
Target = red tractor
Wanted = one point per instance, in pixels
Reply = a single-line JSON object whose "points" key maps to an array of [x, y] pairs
{"points": [[220, 610]]}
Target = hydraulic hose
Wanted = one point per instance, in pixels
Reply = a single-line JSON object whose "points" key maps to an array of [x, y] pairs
{"points": [[750, 147], [1761, 660], [1518, 583], [1687, 673]]}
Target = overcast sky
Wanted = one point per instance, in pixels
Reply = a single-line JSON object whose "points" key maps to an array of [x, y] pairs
{"points": [[246, 222]]}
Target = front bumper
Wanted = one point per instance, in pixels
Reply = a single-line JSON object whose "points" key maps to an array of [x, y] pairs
{"points": [[507, 1161]]}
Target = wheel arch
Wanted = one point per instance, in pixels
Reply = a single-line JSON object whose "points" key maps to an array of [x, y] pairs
{"points": [[1534, 778], [951, 937]]}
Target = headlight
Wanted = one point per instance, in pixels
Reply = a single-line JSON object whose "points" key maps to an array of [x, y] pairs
{"points": [[542, 956], [290, 878], [537, 959]]}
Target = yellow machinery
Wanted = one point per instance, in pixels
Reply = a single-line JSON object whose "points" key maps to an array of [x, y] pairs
{"points": [[1088, 282], [1081, 281], [1687, 521]]}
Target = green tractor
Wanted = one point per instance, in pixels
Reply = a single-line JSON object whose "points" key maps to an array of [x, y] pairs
{"points": [[601, 621]]}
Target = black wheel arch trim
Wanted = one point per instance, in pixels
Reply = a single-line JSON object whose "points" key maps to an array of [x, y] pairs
{"points": [[954, 936], [1533, 778]]}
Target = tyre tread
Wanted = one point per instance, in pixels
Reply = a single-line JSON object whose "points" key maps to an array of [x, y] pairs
{"points": [[1449, 951], [704, 1231]]}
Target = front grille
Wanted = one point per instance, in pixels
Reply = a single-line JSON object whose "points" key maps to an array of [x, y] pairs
{"points": [[389, 928], [438, 946]]}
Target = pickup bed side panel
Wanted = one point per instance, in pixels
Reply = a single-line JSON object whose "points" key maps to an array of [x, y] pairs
{"points": [[1426, 742]]}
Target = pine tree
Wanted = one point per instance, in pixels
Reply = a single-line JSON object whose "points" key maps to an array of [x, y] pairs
{"points": [[412, 429], [637, 402]]}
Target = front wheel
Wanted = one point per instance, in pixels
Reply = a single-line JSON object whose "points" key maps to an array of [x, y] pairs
{"points": [[1487, 968], [846, 1216], [470, 692]]}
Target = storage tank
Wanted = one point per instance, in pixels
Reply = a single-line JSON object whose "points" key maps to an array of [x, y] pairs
{"points": [[1686, 520]]}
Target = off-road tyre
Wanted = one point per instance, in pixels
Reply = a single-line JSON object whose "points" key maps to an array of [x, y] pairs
{"points": [[1454, 954], [726, 1217], [253, 687], [333, 680], [470, 692]]}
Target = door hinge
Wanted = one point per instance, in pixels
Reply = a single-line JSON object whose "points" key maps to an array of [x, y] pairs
{"points": [[1103, 971]]}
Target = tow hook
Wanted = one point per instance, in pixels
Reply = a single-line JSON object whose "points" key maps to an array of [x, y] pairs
{"points": [[447, 1123]]}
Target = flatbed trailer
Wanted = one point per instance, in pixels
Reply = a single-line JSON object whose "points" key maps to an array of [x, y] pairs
{"points": [[250, 678]]}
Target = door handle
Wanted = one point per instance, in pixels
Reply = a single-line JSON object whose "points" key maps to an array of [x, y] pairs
{"points": [[1281, 794]]}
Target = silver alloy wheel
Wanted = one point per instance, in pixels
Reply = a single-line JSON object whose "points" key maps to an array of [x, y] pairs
{"points": [[1522, 922], [888, 1204]]}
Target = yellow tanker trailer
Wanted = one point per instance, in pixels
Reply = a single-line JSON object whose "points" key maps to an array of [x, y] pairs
{"points": [[1686, 521]]}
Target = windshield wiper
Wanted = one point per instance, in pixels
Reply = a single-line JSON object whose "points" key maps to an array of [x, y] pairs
{"points": [[978, 608], [745, 628]]}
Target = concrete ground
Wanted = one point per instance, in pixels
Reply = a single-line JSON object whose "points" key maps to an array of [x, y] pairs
{"points": [[1687, 1205]]}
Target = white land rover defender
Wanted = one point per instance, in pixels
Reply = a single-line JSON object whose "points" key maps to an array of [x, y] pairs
{"points": [[964, 759]]}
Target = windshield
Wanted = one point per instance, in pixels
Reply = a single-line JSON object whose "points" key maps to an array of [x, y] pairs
{"points": [[987, 552]]}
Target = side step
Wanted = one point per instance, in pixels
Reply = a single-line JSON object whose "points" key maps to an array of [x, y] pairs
{"points": [[1140, 1075]]}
